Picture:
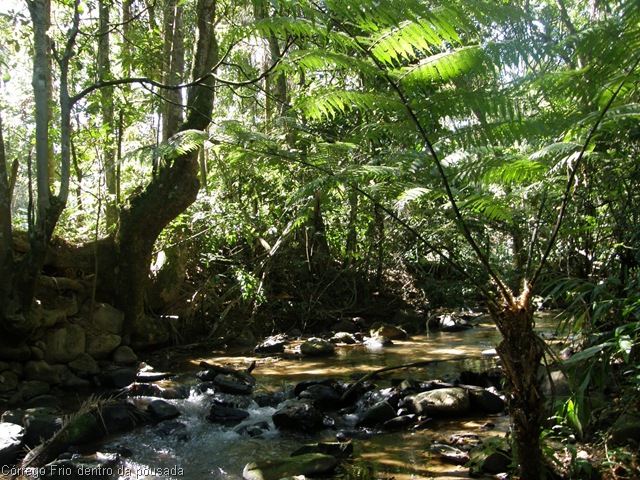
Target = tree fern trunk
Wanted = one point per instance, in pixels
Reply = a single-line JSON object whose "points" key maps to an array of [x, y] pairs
{"points": [[521, 352]]}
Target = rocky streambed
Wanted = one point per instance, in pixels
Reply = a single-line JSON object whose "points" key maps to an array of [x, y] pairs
{"points": [[328, 407]]}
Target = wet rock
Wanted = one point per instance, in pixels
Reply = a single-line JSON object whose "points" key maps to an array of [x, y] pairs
{"points": [[11, 442], [161, 410], [450, 454], [171, 391], [232, 384], [377, 342], [226, 415], [101, 467], [124, 355], [452, 322], [118, 417], [376, 415], [174, 429], [272, 399], [43, 401], [274, 344], [298, 415], [335, 449], [324, 395], [317, 347], [118, 377], [486, 401], [312, 464], [400, 422], [344, 337], [392, 332], [64, 343], [254, 430], [40, 424], [443, 401], [84, 365], [493, 461]]}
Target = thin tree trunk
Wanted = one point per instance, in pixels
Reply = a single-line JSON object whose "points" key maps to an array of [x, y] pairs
{"points": [[6, 241], [173, 68], [107, 111]]}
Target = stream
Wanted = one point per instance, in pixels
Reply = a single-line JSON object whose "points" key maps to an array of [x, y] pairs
{"points": [[198, 449]]}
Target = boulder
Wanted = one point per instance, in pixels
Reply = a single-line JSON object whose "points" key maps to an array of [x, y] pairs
{"points": [[40, 424], [11, 442], [312, 464], [298, 415], [63, 344], [232, 384], [84, 365], [317, 347], [102, 467], [124, 355], [346, 325], [100, 345], [31, 389], [118, 377], [344, 337], [626, 430], [441, 402], [108, 319]]}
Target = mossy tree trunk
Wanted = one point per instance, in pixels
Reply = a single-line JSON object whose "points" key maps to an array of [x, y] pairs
{"points": [[171, 191]]}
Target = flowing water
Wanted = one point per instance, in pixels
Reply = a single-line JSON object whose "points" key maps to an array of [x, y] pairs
{"points": [[202, 450]]}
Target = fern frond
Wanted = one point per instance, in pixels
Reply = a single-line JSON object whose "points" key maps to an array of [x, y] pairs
{"points": [[334, 103]]}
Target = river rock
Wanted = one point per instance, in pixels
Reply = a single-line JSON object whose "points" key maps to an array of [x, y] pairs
{"points": [[108, 319], [324, 395], [376, 414], [31, 389], [443, 401], [119, 416], [226, 415], [232, 384], [161, 410], [273, 344], [124, 355], [40, 424], [118, 377], [84, 364], [346, 325], [392, 332], [100, 344], [377, 342], [344, 337], [298, 415], [450, 454], [63, 344], [11, 442], [317, 347], [274, 469], [486, 401]]}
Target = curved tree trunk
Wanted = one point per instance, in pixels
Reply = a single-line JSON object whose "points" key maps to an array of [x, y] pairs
{"points": [[171, 191]]}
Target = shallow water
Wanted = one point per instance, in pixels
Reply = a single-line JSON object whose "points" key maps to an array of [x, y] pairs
{"points": [[215, 452]]}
